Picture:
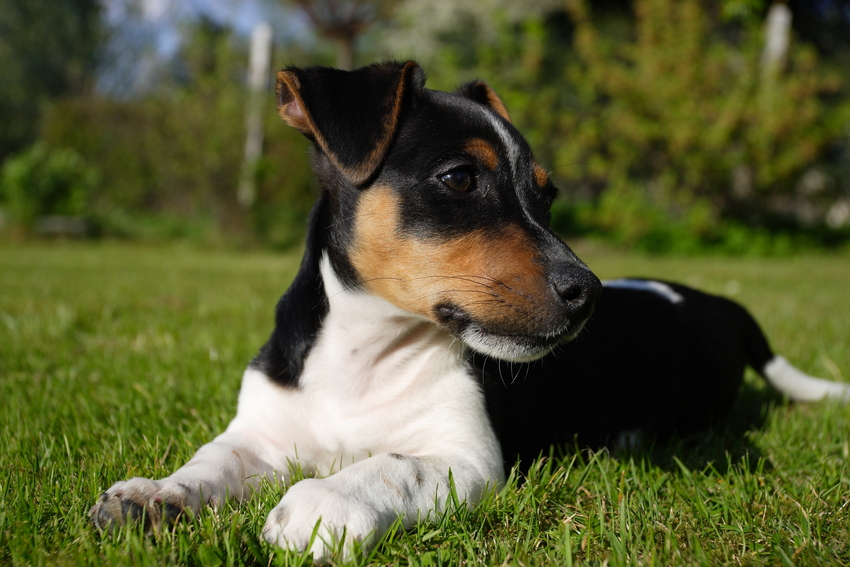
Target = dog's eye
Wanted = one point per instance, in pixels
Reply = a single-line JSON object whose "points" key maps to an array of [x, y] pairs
{"points": [[460, 180]]}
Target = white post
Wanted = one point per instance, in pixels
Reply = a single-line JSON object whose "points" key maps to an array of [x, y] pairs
{"points": [[777, 38], [258, 80]]}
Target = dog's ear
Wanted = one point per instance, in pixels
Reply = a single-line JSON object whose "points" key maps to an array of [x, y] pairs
{"points": [[351, 116], [480, 92]]}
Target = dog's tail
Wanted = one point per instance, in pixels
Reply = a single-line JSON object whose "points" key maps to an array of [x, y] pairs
{"points": [[781, 374], [801, 387]]}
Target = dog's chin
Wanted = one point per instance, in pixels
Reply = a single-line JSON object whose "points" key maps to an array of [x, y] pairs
{"points": [[502, 344], [514, 348]]}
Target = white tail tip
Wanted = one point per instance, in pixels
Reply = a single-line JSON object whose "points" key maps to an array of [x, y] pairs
{"points": [[800, 387]]}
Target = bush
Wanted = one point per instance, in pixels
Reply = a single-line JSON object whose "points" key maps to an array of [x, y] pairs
{"points": [[684, 115], [171, 160], [42, 181]]}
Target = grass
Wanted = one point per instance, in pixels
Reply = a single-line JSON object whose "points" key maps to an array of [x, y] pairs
{"points": [[118, 360]]}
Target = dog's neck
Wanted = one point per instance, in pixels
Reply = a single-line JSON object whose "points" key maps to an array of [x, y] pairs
{"points": [[366, 342], [372, 338]]}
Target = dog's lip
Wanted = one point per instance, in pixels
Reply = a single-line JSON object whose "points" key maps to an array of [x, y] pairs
{"points": [[515, 348], [547, 341], [461, 324]]}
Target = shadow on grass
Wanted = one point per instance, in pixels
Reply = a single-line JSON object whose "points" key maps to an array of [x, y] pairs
{"points": [[722, 446], [727, 443]]}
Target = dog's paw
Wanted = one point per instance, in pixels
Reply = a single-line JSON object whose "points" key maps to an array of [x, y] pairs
{"points": [[315, 515], [153, 502]]}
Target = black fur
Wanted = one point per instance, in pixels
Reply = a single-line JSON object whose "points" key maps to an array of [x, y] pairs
{"points": [[641, 363], [301, 310], [355, 112]]}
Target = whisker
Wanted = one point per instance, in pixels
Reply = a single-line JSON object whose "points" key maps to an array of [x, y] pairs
{"points": [[499, 364], [469, 291], [513, 376], [470, 279], [486, 302], [344, 219], [360, 283], [573, 164], [438, 294]]}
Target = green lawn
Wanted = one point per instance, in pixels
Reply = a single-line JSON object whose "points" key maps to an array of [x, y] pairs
{"points": [[120, 360]]}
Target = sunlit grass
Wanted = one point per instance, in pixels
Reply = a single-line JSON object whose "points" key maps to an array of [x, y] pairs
{"points": [[118, 360]]}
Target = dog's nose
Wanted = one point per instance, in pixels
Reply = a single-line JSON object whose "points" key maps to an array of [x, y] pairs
{"points": [[578, 287]]}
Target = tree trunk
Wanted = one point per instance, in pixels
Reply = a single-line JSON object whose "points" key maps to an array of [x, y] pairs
{"points": [[345, 53], [258, 78]]}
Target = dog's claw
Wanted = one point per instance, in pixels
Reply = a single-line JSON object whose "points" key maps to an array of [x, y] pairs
{"points": [[118, 507], [112, 511], [131, 511]]}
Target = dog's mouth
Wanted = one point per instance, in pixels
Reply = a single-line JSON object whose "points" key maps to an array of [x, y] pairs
{"points": [[501, 344]]}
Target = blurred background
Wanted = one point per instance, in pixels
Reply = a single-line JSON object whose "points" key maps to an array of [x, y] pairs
{"points": [[669, 125]]}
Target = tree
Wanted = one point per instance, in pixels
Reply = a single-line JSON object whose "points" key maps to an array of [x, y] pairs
{"points": [[343, 21], [674, 118], [48, 49]]}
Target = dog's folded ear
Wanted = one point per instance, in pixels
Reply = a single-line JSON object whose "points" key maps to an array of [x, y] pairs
{"points": [[351, 116], [480, 92]]}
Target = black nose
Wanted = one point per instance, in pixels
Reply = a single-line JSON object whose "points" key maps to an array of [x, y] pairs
{"points": [[577, 286]]}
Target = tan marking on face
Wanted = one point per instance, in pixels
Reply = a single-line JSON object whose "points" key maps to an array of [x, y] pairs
{"points": [[541, 177], [495, 278], [483, 151]]}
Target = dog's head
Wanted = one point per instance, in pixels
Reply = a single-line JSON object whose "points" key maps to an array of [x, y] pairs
{"points": [[439, 207]]}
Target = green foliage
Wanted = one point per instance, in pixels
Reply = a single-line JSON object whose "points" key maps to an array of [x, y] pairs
{"points": [[741, 10], [674, 112], [171, 161], [42, 181], [48, 48], [630, 221]]}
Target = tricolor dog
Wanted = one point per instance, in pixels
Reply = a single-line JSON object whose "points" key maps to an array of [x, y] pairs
{"points": [[425, 343]]}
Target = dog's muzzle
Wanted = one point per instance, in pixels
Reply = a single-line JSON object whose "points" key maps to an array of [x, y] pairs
{"points": [[525, 335]]}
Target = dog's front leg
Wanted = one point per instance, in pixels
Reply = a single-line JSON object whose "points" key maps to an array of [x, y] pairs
{"points": [[228, 467], [255, 445], [361, 502]]}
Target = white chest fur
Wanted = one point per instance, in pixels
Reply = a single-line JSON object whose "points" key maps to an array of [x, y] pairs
{"points": [[378, 379], [384, 395]]}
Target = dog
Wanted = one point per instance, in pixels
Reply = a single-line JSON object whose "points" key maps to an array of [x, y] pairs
{"points": [[438, 329]]}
